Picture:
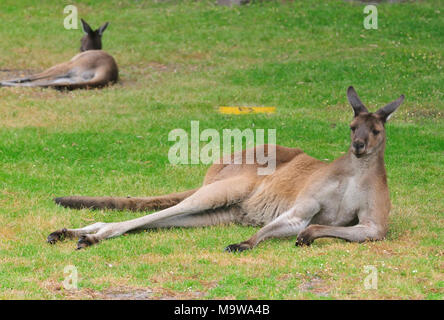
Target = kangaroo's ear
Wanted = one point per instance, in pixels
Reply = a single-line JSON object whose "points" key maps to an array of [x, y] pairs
{"points": [[357, 105], [86, 28], [102, 28], [386, 112]]}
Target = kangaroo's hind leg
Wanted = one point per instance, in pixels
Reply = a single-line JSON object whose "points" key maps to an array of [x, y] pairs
{"points": [[43, 81], [57, 71], [203, 219], [219, 194], [65, 80], [214, 217]]}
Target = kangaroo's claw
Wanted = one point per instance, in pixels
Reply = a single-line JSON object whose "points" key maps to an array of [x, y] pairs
{"points": [[237, 247], [58, 235], [85, 241]]}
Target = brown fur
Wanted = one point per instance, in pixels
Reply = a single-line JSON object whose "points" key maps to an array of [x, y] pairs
{"points": [[92, 68], [347, 199]]}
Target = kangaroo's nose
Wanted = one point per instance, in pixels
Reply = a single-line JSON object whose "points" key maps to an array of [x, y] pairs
{"points": [[358, 145]]}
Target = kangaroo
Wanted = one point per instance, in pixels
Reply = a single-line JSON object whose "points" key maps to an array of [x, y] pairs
{"points": [[91, 68], [304, 197]]}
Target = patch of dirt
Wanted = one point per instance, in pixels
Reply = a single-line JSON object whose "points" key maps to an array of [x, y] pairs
{"points": [[158, 66], [123, 293], [232, 2], [126, 294], [152, 66], [7, 233], [166, 294], [114, 293], [316, 286]]}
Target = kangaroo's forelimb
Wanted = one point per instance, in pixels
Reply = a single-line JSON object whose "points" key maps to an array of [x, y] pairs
{"points": [[288, 224]]}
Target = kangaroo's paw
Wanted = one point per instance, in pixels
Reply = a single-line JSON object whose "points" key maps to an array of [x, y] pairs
{"points": [[304, 238], [238, 247], [58, 235], [86, 241]]}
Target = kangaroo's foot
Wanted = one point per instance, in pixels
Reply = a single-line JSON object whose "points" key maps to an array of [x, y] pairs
{"points": [[305, 237], [59, 235], [86, 241], [238, 247], [64, 233], [301, 241]]}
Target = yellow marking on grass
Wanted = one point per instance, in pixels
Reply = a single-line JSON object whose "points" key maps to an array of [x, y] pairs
{"points": [[246, 110]]}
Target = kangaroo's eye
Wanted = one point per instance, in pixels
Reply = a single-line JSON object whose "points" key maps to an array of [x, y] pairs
{"points": [[375, 132], [353, 129]]}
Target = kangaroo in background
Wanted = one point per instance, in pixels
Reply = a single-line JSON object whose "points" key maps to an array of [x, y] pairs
{"points": [[304, 197], [91, 68]]}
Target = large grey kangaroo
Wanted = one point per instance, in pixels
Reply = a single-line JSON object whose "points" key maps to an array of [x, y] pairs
{"points": [[91, 68], [304, 197]]}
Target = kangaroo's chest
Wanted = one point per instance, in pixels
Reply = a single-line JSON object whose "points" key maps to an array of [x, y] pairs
{"points": [[342, 201], [352, 196]]}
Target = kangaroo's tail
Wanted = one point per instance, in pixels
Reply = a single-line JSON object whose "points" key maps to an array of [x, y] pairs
{"points": [[121, 203]]}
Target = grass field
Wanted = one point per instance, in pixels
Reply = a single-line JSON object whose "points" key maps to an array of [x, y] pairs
{"points": [[179, 61]]}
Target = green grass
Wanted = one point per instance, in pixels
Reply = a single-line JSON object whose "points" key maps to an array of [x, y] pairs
{"points": [[179, 61]]}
